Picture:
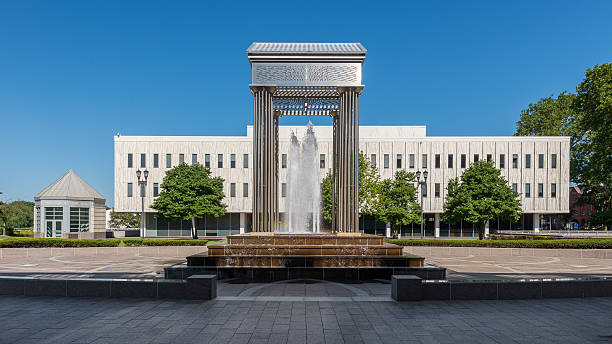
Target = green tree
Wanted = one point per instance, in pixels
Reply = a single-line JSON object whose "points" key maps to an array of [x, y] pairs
{"points": [[586, 117], [21, 214], [593, 164], [398, 201], [124, 220], [189, 192], [369, 185], [4, 215], [479, 195]]}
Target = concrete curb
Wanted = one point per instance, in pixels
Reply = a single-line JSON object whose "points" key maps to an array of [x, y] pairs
{"points": [[412, 288], [196, 287]]}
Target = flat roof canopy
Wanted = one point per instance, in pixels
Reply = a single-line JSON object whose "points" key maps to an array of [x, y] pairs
{"points": [[307, 48]]}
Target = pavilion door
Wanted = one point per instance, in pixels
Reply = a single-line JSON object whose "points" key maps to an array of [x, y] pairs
{"points": [[54, 229]]}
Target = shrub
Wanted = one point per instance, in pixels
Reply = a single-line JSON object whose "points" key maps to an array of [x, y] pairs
{"points": [[526, 243], [57, 242]]}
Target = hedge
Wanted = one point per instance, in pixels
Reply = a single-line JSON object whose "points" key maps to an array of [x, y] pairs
{"points": [[528, 243], [53, 242]]}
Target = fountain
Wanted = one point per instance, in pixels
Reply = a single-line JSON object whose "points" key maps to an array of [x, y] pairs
{"points": [[303, 186]]}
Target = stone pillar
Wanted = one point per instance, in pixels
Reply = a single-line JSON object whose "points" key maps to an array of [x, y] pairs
{"points": [[437, 223], [346, 161], [242, 222], [486, 232], [265, 161], [536, 222]]}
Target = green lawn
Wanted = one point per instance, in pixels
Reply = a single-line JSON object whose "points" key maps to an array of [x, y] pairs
{"points": [[585, 243]]}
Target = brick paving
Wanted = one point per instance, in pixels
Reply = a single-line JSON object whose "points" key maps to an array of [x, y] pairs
{"points": [[74, 320]]}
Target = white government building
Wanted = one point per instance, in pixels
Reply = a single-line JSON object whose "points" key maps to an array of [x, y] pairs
{"points": [[536, 167]]}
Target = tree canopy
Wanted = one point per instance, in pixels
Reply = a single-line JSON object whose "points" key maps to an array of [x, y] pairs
{"points": [[189, 192], [124, 220], [369, 184], [398, 200], [479, 195], [587, 118]]}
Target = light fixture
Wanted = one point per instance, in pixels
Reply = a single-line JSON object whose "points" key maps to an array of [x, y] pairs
{"points": [[138, 174], [146, 174], [418, 175], [425, 174]]}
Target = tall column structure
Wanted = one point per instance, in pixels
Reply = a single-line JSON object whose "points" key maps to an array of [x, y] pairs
{"points": [[306, 79], [265, 161]]}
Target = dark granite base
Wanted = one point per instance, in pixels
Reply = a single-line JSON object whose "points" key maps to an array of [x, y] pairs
{"points": [[269, 274], [316, 261]]}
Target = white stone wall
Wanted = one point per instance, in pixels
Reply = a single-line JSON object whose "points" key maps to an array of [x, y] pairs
{"points": [[373, 140]]}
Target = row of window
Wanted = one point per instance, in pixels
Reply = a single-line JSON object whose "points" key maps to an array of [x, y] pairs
{"points": [[463, 160], [245, 190], [79, 217], [386, 160], [194, 160]]}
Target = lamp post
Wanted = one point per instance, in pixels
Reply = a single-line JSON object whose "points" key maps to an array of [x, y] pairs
{"points": [[421, 184], [142, 183]]}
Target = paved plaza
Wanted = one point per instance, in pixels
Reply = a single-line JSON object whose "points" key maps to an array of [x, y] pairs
{"points": [[65, 263], [81, 320]]}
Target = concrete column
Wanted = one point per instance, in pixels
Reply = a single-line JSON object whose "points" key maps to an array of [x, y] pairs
{"points": [[242, 222], [437, 223], [486, 233], [536, 222], [265, 161], [388, 230]]}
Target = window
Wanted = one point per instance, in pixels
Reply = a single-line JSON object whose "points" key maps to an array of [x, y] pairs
{"points": [[284, 190], [489, 157], [476, 157], [245, 189], [540, 160], [168, 160], [553, 190], [373, 160], [540, 190], [143, 160], [232, 160], [321, 160], [219, 160], [232, 189], [527, 190], [79, 219], [437, 189], [514, 160], [553, 161], [386, 161], [411, 161], [424, 157], [398, 162], [181, 158], [130, 190], [437, 160], [207, 160], [155, 189], [515, 187], [54, 213], [194, 159], [463, 160], [284, 161], [502, 161], [424, 189], [245, 161], [528, 161], [156, 160], [450, 161], [130, 160]]}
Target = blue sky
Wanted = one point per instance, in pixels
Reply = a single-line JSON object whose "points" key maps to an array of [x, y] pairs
{"points": [[74, 73]]}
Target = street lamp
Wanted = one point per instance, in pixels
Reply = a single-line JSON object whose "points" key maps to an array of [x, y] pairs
{"points": [[142, 183], [421, 184]]}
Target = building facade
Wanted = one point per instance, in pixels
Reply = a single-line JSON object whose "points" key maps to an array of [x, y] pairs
{"points": [[69, 208], [536, 167]]}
